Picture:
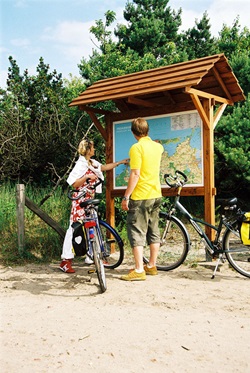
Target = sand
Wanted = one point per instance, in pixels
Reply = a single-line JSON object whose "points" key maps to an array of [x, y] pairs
{"points": [[179, 321]]}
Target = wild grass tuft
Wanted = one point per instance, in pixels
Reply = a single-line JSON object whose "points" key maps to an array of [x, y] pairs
{"points": [[41, 242]]}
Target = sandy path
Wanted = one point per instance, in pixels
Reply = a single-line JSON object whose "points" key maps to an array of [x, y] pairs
{"points": [[180, 321]]}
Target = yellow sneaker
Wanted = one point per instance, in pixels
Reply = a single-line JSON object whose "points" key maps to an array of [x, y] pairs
{"points": [[134, 276], [150, 271]]}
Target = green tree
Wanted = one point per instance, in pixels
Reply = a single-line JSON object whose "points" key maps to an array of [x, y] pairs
{"points": [[235, 43], [111, 59], [151, 28], [35, 126], [233, 39], [101, 32], [240, 63], [232, 152], [197, 41]]}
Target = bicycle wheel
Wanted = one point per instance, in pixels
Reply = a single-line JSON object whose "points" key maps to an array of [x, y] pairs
{"points": [[237, 254], [99, 263], [113, 253], [175, 243]]}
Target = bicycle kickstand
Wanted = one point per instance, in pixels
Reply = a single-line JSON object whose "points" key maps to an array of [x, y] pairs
{"points": [[217, 265]]}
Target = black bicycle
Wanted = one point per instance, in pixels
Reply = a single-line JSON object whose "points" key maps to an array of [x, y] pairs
{"points": [[175, 241], [95, 238]]}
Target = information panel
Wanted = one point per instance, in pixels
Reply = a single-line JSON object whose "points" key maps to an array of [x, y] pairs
{"points": [[181, 136]]}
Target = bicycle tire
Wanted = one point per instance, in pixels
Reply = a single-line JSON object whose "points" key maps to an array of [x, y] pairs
{"points": [[174, 248], [100, 271], [113, 253], [237, 254]]}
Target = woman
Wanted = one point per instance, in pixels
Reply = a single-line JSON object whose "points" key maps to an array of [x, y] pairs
{"points": [[84, 169]]}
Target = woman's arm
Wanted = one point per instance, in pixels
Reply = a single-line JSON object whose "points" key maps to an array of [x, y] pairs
{"points": [[82, 180], [110, 166]]}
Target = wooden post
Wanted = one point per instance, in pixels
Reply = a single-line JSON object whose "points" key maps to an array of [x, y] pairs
{"points": [[209, 187], [20, 201], [110, 202], [209, 192]]}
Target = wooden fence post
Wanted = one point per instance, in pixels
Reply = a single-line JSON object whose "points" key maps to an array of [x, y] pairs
{"points": [[20, 201]]}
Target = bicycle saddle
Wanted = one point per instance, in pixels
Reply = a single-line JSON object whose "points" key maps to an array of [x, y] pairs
{"points": [[88, 202], [226, 201]]}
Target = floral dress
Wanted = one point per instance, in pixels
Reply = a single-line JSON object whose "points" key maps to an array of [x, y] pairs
{"points": [[78, 212]]}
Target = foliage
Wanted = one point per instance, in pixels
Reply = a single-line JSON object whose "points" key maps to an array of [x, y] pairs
{"points": [[37, 126], [233, 40], [115, 61], [235, 43], [198, 41], [151, 28], [232, 152]]}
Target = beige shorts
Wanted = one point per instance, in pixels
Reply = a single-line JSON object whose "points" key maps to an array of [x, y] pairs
{"points": [[143, 222]]}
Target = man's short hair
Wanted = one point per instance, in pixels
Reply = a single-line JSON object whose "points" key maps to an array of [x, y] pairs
{"points": [[139, 127]]}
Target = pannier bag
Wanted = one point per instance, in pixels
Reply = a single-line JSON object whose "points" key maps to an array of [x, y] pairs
{"points": [[79, 238], [245, 228]]}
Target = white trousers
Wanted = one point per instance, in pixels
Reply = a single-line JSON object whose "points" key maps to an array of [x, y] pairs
{"points": [[67, 250]]}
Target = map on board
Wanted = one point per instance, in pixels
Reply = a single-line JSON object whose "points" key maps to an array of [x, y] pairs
{"points": [[181, 137]]}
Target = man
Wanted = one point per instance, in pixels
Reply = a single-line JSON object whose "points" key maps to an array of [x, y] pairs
{"points": [[142, 200]]}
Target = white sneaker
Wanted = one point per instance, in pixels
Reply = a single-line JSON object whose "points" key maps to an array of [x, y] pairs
{"points": [[88, 260]]}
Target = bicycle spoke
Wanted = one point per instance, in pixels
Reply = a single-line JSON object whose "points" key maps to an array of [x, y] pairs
{"points": [[238, 255]]}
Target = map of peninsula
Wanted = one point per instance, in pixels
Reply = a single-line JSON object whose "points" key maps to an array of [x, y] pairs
{"points": [[181, 137]]}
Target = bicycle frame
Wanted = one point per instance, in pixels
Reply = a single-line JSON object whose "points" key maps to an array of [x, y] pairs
{"points": [[95, 243], [90, 222], [194, 222], [230, 243]]}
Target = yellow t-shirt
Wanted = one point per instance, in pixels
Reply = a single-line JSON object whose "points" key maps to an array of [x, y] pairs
{"points": [[145, 156]]}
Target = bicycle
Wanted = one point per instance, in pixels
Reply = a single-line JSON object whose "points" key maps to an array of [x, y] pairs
{"points": [[95, 237], [175, 239]]}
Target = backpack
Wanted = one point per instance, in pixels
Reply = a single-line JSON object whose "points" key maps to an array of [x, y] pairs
{"points": [[79, 238], [244, 228]]}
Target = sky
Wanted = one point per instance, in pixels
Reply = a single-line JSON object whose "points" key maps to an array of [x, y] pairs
{"points": [[58, 30]]}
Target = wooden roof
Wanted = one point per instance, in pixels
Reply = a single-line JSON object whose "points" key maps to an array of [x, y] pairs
{"points": [[170, 85]]}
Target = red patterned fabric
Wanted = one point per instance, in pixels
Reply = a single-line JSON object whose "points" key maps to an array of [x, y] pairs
{"points": [[78, 212]]}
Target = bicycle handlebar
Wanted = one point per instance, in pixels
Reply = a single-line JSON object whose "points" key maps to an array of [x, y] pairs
{"points": [[179, 179], [84, 191]]}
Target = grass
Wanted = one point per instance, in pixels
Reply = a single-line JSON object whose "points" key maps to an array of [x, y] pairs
{"points": [[42, 243]]}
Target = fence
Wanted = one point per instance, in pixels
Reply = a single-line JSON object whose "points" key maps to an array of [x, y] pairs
{"points": [[21, 201]]}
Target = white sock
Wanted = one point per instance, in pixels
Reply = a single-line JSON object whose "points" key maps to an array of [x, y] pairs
{"points": [[139, 270]]}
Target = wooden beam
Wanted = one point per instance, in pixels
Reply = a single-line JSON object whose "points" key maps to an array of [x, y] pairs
{"points": [[90, 109], [219, 113], [208, 167], [220, 81], [137, 101], [167, 94], [110, 202], [201, 111], [20, 203], [45, 217], [142, 89], [208, 95], [98, 125], [170, 192], [121, 105]]}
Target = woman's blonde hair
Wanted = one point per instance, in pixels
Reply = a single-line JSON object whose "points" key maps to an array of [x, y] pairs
{"points": [[84, 146]]}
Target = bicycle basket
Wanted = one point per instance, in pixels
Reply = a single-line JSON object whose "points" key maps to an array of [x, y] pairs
{"points": [[244, 228], [79, 239]]}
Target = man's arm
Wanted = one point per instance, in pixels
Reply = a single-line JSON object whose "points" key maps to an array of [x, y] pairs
{"points": [[132, 182]]}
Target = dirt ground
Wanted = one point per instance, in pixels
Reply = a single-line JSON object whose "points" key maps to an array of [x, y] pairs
{"points": [[179, 321]]}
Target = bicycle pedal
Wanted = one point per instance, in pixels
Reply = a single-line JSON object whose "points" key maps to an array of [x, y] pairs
{"points": [[91, 271]]}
